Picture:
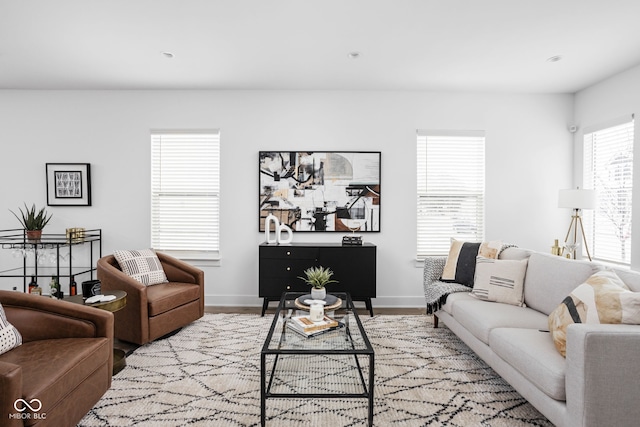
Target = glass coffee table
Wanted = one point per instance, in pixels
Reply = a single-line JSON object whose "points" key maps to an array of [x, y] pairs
{"points": [[338, 364]]}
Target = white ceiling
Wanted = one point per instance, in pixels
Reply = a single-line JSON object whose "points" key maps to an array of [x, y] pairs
{"points": [[460, 45]]}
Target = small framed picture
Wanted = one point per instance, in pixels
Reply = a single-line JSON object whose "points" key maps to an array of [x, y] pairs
{"points": [[68, 184]]}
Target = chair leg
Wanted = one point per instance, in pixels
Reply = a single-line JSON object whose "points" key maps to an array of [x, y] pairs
{"points": [[435, 321]]}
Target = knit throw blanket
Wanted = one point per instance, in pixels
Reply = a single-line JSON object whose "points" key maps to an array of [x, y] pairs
{"points": [[437, 292]]}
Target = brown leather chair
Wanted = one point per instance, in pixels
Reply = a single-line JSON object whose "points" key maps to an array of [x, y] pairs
{"points": [[154, 311], [65, 361]]}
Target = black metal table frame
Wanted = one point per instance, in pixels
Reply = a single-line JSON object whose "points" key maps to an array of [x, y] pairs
{"points": [[265, 389]]}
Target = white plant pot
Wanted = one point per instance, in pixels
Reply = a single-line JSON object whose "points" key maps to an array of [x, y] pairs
{"points": [[318, 293]]}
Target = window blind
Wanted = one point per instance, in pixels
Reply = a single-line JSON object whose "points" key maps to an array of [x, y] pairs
{"points": [[608, 168], [451, 188], [185, 192]]}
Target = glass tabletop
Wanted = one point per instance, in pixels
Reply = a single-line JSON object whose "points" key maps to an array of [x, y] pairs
{"points": [[348, 338]]}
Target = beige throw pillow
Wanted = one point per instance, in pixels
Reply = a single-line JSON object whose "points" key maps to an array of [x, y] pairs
{"points": [[461, 262], [602, 298], [500, 280]]}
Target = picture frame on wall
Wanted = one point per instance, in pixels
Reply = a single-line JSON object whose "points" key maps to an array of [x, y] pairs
{"points": [[321, 191], [68, 184]]}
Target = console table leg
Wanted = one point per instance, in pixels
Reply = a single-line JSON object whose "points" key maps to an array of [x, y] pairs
{"points": [[367, 302], [265, 305]]}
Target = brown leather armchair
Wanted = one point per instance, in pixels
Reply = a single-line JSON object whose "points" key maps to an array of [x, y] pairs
{"points": [[154, 311], [65, 361]]}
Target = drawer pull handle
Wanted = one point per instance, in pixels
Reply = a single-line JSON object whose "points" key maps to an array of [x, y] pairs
{"points": [[288, 287], [288, 253], [288, 268]]}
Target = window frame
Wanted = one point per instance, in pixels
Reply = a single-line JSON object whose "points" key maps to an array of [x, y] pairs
{"points": [[592, 218], [451, 195], [197, 252]]}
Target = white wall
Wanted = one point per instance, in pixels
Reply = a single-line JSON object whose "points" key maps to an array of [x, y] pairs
{"points": [[529, 155], [610, 99]]}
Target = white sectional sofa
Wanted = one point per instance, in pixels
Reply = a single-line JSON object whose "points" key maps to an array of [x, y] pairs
{"points": [[597, 385]]}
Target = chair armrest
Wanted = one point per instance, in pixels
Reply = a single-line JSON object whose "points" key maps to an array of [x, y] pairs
{"points": [[38, 318], [180, 271], [10, 391], [602, 375]]}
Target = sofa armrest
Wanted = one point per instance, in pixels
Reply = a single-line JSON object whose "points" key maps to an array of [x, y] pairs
{"points": [[10, 390], [602, 375], [433, 268], [38, 318]]}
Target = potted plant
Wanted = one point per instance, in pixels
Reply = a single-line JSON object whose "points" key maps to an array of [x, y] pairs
{"points": [[32, 221], [318, 278]]}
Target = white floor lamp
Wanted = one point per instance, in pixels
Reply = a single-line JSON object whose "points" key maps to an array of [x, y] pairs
{"points": [[577, 200]]}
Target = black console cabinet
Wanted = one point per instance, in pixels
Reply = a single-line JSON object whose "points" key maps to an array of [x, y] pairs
{"points": [[354, 268]]}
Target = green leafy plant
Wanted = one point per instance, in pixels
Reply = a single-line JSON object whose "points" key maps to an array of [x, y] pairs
{"points": [[318, 277], [30, 219]]}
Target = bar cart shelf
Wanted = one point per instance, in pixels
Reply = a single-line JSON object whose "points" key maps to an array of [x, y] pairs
{"points": [[58, 251]]}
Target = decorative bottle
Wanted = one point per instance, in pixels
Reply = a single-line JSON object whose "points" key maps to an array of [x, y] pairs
{"points": [[73, 287], [53, 287], [32, 284]]}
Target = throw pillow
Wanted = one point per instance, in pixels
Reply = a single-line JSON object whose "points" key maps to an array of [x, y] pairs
{"points": [[499, 280], [10, 337], [142, 265], [461, 262], [602, 298]]}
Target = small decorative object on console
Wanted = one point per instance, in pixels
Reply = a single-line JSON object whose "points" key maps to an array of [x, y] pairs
{"points": [[279, 229], [352, 240]]}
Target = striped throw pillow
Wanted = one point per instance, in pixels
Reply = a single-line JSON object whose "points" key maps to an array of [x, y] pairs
{"points": [[142, 265], [500, 280]]}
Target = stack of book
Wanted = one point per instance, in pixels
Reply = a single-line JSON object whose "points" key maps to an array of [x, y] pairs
{"points": [[305, 326]]}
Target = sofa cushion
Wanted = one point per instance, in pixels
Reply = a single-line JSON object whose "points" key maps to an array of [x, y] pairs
{"points": [[167, 296], [602, 298], [453, 298], [499, 280], [480, 317], [461, 261], [531, 352], [142, 265], [10, 337], [550, 278]]}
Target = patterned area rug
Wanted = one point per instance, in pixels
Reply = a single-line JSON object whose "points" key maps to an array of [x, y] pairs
{"points": [[209, 374]]}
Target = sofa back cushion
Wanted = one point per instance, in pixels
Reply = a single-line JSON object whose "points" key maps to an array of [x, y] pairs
{"points": [[630, 278], [550, 278], [515, 253]]}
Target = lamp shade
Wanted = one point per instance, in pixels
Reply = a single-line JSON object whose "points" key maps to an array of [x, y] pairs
{"points": [[577, 199]]}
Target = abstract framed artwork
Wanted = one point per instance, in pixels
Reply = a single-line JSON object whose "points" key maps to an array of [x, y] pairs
{"points": [[321, 190], [68, 184]]}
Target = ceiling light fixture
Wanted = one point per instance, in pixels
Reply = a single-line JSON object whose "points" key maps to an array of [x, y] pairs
{"points": [[167, 55], [554, 58], [354, 55]]}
